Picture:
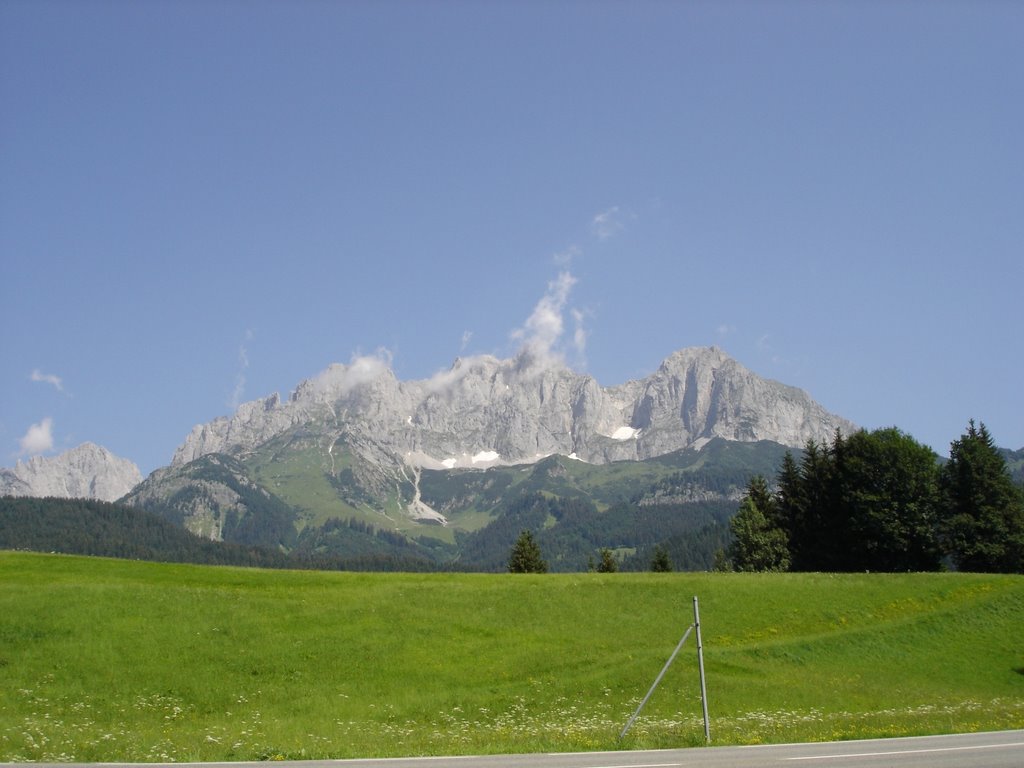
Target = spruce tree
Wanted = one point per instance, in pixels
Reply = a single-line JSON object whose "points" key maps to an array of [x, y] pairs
{"points": [[660, 562], [982, 508], [791, 501], [608, 563], [760, 543], [819, 540], [526, 556]]}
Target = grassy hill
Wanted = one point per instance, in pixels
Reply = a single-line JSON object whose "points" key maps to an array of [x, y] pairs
{"points": [[108, 660]]}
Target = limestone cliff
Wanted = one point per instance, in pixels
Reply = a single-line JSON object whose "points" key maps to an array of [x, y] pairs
{"points": [[484, 411], [87, 472]]}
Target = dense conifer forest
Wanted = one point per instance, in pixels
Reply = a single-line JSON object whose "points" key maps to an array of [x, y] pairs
{"points": [[87, 527], [881, 501]]}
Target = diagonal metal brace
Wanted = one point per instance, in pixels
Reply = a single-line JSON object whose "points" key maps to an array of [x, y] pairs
{"points": [[657, 680]]}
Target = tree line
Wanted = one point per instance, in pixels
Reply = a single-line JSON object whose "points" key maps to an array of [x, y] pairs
{"points": [[881, 501], [104, 529], [526, 557], [573, 534]]}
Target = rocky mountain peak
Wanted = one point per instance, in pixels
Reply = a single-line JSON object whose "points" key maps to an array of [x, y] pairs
{"points": [[524, 408], [88, 471]]}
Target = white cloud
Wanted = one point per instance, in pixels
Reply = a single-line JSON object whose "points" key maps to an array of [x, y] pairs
{"points": [[339, 379], [243, 364], [607, 223], [38, 438], [579, 337], [47, 378], [564, 258], [725, 329], [766, 346], [543, 330], [446, 379], [366, 368], [467, 336]]}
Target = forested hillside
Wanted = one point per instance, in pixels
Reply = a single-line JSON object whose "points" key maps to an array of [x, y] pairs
{"points": [[88, 527]]}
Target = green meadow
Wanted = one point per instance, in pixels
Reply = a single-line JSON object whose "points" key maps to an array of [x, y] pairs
{"points": [[107, 660]]}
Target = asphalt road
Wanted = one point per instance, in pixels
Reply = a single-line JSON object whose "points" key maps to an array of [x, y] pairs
{"points": [[1001, 749]]}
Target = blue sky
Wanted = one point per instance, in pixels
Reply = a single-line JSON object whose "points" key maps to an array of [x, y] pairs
{"points": [[203, 203]]}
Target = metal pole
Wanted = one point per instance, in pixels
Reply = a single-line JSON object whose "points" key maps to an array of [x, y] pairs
{"points": [[700, 663], [657, 680]]}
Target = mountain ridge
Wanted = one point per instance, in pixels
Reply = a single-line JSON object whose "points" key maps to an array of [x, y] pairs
{"points": [[484, 411], [444, 470], [356, 443]]}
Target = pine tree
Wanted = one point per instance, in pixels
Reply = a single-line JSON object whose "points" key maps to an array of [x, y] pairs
{"points": [[760, 542], [759, 545], [608, 563], [820, 540], [791, 508], [982, 508], [526, 556], [886, 499], [660, 562]]}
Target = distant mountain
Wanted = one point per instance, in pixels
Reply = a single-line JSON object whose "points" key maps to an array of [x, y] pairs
{"points": [[682, 501], [213, 497], [86, 472], [440, 468], [484, 411], [360, 470]]}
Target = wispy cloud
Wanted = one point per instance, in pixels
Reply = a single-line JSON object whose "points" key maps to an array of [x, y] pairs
{"points": [[579, 337], [338, 380], [564, 259], [766, 347], [542, 341], [541, 335], [607, 223], [38, 439], [243, 365], [446, 379], [47, 378]]}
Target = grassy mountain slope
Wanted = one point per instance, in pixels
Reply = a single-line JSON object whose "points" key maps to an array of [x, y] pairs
{"points": [[104, 660], [721, 469], [214, 497], [681, 501], [304, 493]]}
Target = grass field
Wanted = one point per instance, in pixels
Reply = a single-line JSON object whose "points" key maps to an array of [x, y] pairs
{"points": [[104, 660]]}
